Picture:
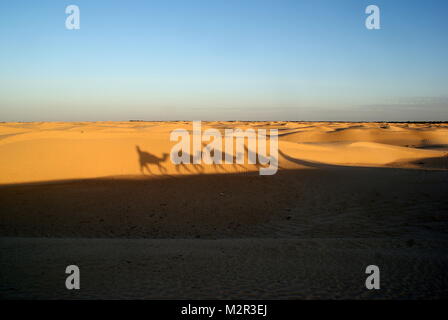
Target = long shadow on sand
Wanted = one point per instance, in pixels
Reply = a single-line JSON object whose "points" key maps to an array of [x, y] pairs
{"points": [[146, 159], [298, 229], [330, 201]]}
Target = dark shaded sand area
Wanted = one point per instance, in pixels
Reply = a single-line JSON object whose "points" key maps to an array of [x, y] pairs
{"points": [[298, 234]]}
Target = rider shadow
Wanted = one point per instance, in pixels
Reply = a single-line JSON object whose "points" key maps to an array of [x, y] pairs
{"points": [[190, 167], [146, 159]]}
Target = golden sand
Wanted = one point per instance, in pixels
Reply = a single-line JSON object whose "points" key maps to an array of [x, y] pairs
{"points": [[44, 151]]}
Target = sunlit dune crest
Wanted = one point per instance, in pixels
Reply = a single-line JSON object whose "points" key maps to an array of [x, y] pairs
{"points": [[48, 151]]}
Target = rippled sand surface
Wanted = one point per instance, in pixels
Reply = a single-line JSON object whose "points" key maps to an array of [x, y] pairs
{"points": [[223, 269]]}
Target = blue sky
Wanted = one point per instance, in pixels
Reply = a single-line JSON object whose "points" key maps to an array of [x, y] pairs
{"points": [[216, 59]]}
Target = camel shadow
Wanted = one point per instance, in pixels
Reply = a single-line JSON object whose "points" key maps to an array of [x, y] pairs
{"points": [[146, 159], [190, 167]]}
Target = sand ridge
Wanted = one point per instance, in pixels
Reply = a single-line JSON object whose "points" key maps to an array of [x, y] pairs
{"points": [[51, 151]]}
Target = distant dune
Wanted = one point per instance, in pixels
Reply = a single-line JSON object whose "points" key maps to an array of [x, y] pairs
{"points": [[36, 152]]}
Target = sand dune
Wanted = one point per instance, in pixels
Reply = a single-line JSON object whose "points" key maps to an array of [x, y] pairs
{"points": [[34, 152], [346, 195]]}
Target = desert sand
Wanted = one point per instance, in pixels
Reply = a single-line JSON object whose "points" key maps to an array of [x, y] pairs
{"points": [[36, 152], [346, 195]]}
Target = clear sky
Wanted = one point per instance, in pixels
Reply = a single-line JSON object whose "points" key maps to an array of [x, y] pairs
{"points": [[223, 59]]}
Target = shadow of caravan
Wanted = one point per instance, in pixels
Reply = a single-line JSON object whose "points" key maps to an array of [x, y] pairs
{"points": [[147, 159], [233, 141]]}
